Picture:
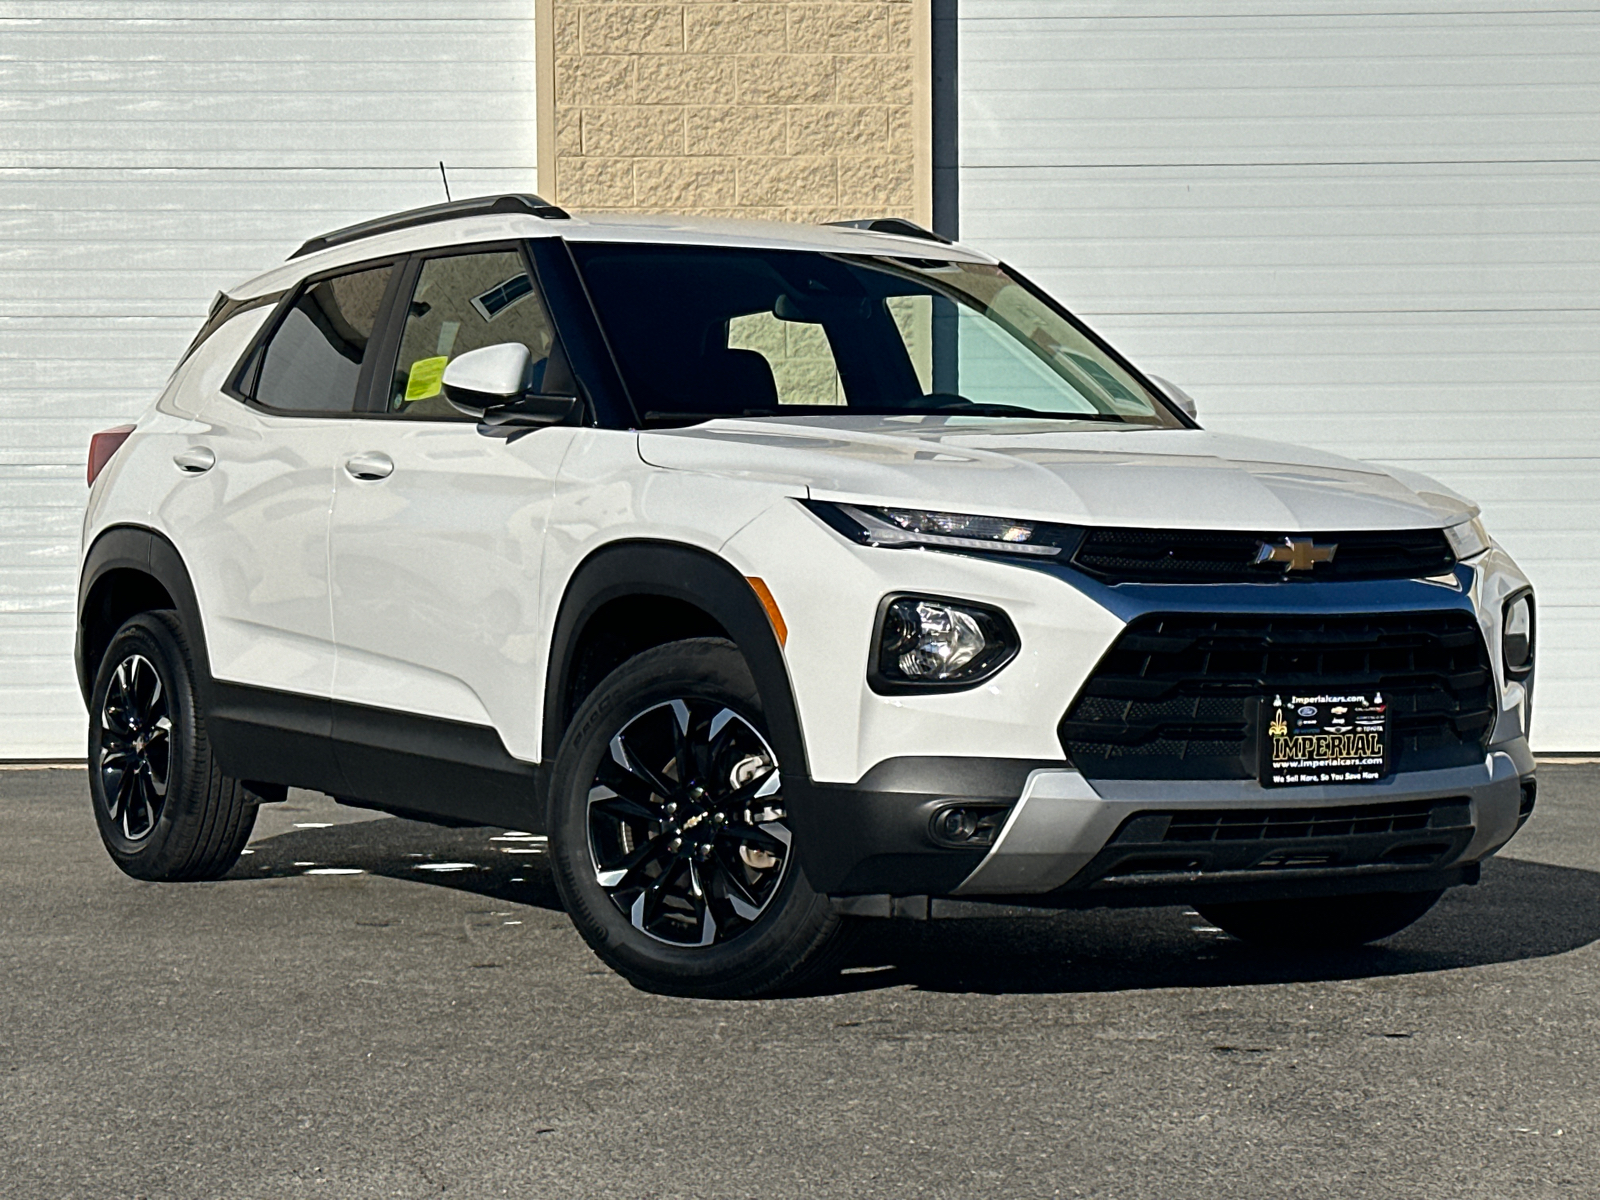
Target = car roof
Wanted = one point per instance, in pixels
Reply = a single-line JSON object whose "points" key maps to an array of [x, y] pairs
{"points": [[606, 227]]}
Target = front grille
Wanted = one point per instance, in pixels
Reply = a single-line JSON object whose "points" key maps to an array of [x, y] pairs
{"points": [[1176, 697], [1205, 556]]}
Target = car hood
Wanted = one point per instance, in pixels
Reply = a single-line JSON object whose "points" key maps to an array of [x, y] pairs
{"points": [[1053, 471]]}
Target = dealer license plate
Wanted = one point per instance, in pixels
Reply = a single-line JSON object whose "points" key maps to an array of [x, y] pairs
{"points": [[1324, 739]]}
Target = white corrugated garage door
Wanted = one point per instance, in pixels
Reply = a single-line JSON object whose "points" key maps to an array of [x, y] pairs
{"points": [[1372, 227], [152, 153]]}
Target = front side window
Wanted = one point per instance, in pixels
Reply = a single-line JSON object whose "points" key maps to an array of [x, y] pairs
{"points": [[702, 332], [461, 303], [312, 363]]}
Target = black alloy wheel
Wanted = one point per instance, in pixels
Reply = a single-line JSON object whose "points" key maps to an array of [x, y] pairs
{"points": [[163, 806], [687, 827], [135, 747], [670, 834]]}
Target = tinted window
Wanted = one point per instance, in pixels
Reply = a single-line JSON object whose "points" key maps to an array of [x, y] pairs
{"points": [[462, 303], [223, 310], [313, 361], [705, 332], [797, 353]]}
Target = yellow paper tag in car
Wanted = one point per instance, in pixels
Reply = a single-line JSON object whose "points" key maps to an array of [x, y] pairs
{"points": [[426, 378]]}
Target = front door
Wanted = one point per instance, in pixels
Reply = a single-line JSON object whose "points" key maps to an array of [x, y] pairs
{"points": [[438, 537]]}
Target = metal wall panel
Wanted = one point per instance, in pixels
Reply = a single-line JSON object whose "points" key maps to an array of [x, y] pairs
{"points": [[152, 153], [1369, 227]]}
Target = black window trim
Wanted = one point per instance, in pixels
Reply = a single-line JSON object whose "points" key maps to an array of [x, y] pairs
{"points": [[560, 284], [241, 389], [583, 337], [224, 309]]}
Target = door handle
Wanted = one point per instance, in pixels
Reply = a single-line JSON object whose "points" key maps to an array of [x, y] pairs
{"points": [[196, 460], [371, 464]]}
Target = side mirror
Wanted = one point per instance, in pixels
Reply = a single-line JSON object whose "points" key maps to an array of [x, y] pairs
{"points": [[1176, 394], [487, 378], [491, 383]]}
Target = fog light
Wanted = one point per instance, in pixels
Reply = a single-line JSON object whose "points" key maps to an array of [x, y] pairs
{"points": [[955, 824], [924, 642], [967, 826]]}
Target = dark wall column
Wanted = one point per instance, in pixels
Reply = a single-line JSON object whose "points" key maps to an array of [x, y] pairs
{"points": [[946, 142]]}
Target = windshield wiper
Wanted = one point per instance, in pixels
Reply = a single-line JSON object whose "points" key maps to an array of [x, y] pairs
{"points": [[657, 417], [654, 417], [1008, 410], [1012, 410], [957, 405]]}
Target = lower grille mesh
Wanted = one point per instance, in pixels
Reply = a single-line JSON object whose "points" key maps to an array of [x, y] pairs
{"points": [[1297, 823], [1239, 843]]}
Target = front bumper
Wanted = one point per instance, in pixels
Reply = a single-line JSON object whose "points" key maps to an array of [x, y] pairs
{"points": [[1067, 842], [881, 767]]}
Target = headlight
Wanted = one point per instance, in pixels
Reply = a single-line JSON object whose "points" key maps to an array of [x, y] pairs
{"points": [[1516, 635], [1468, 539], [908, 527], [927, 644]]}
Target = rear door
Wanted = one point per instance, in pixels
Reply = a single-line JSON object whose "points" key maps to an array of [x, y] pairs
{"points": [[250, 507]]}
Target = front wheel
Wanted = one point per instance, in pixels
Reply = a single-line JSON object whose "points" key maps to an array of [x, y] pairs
{"points": [[1323, 922], [670, 833]]}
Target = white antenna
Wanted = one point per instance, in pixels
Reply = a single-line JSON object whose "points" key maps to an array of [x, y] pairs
{"points": [[446, 179]]}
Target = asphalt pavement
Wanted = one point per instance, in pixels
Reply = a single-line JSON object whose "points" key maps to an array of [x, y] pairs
{"points": [[370, 1007]]}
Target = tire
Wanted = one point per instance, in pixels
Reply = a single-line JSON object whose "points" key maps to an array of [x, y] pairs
{"points": [[165, 810], [685, 886], [1320, 923]]}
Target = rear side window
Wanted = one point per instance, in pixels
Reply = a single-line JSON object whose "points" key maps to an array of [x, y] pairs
{"points": [[312, 363], [224, 309]]}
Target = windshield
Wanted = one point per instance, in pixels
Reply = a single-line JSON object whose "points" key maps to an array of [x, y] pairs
{"points": [[704, 332]]}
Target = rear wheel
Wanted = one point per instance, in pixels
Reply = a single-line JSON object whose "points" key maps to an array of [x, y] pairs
{"points": [[165, 810], [1321, 923], [670, 832]]}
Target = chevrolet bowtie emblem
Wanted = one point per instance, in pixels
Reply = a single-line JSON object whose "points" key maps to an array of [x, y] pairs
{"points": [[1301, 554]]}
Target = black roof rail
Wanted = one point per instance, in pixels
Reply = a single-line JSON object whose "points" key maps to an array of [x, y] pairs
{"points": [[476, 206], [897, 225]]}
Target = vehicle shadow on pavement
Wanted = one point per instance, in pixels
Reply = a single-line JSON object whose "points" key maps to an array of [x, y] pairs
{"points": [[1520, 910], [485, 861]]}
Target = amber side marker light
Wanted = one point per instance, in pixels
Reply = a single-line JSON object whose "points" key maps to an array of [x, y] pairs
{"points": [[102, 446], [764, 594]]}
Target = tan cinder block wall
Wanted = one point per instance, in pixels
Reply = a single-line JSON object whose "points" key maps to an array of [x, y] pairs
{"points": [[761, 108]]}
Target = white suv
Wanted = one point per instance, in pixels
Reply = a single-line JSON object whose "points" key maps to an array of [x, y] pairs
{"points": [[786, 576]]}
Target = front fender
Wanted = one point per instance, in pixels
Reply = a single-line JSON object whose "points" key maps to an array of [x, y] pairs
{"points": [[693, 576]]}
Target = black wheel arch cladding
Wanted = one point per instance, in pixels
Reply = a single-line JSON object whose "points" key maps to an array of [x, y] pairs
{"points": [[685, 575], [126, 555], [137, 552]]}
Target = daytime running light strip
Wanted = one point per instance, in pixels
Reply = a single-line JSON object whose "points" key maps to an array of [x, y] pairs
{"points": [[881, 533]]}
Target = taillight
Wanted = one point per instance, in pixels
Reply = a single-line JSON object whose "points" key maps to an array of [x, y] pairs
{"points": [[102, 446]]}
